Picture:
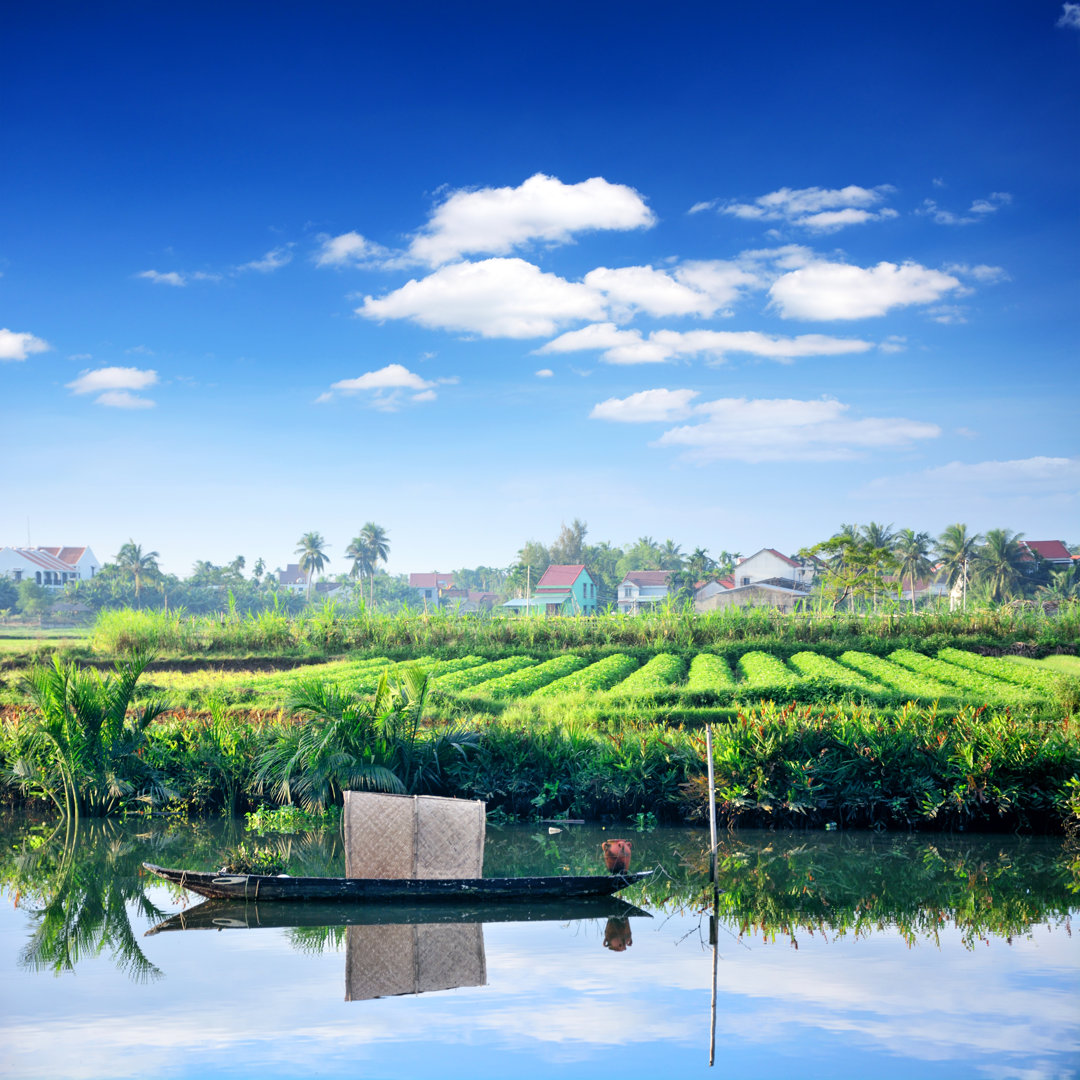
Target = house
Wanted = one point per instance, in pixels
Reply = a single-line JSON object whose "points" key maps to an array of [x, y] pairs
{"points": [[562, 590], [757, 594], [51, 567], [707, 590], [468, 601], [641, 590], [1052, 552], [293, 578], [770, 565], [431, 588]]}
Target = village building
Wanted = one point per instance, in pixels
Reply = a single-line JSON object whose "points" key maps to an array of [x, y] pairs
{"points": [[769, 565], [757, 594], [641, 590], [1052, 552], [293, 578], [432, 588], [705, 591], [562, 590], [50, 567]]}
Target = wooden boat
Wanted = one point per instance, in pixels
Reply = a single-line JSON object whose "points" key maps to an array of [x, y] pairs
{"points": [[241, 915], [221, 886]]}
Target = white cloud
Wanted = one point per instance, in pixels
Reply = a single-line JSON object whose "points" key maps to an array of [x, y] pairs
{"points": [[646, 405], [123, 399], [641, 288], [113, 385], [169, 278], [1034, 477], [986, 275], [819, 209], [81, 356], [630, 347], [978, 210], [112, 378], [494, 298], [760, 430], [385, 387], [828, 290], [18, 346], [894, 343], [544, 373], [349, 249], [948, 314], [495, 221], [1070, 17], [272, 260]]}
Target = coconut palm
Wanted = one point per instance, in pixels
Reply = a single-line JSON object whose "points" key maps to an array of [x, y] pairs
{"points": [[671, 556], [140, 565], [956, 549], [312, 556], [912, 551], [377, 544], [1000, 564]]}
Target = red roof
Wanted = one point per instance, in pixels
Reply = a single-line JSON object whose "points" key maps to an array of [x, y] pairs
{"points": [[728, 582], [647, 577], [43, 558], [560, 577], [434, 580], [1048, 549], [790, 562]]}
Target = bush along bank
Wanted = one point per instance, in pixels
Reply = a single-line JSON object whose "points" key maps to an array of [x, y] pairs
{"points": [[920, 767]]}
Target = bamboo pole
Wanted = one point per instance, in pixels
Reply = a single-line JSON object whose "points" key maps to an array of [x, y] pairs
{"points": [[712, 805]]}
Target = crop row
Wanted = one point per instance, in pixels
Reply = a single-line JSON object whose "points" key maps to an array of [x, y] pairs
{"points": [[465, 678], [596, 677], [898, 677], [815, 666], [709, 672], [762, 670], [970, 681], [659, 674], [1019, 674], [524, 682]]}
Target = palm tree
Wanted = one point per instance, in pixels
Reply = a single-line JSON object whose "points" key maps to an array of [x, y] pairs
{"points": [[312, 556], [957, 549], [913, 549], [877, 535], [378, 549], [361, 559], [700, 563], [671, 556], [1001, 562], [131, 559]]}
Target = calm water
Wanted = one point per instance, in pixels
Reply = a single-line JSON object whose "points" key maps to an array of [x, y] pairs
{"points": [[836, 956]]}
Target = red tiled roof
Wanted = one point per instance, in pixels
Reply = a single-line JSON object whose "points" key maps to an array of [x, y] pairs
{"points": [[647, 577], [790, 562], [1048, 549], [728, 582], [560, 577], [434, 580], [69, 555], [41, 557]]}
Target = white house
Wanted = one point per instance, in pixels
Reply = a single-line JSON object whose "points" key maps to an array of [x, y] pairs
{"points": [[641, 589], [293, 579], [756, 594], [52, 567], [771, 566]]}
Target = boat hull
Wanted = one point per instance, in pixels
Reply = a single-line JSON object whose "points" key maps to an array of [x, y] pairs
{"points": [[412, 890]]}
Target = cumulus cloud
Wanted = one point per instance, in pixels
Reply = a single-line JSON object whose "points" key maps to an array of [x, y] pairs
{"points": [[631, 347], [758, 430], [493, 298], [828, 290], [349, 249], [544, 373], [646, 405], [114, 386], [387, 387], [495, 221], [1070, 17], [16, 345], [272, 260], [1034, 477], [693, 288], [815, 208]]}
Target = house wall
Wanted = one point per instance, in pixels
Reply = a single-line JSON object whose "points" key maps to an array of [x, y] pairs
{"points": [[749, 597], [18, 567], [764, 565]]}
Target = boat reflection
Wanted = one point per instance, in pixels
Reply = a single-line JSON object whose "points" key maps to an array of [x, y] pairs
{"points": [[407, 949]]}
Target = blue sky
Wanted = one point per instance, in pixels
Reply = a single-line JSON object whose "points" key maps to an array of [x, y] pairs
{"points": [[729, 274]]}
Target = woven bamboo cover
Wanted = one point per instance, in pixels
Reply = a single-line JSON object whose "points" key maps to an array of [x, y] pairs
{"points": [[411, 836], [381, 961]]}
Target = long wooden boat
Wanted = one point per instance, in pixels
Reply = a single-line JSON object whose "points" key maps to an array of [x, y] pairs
{"points": [[222, 886], [248, 915]]}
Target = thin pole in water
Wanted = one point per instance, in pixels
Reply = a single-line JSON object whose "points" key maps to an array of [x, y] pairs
{"points": [[712, 804]]}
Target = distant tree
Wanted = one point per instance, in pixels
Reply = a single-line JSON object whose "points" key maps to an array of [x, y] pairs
{"points": [[671, 556], [9, 594], [876, 535], [912, 551], [852, 568], [957, 549], [313, 557], [258, 570], [377, 544], [569, 546], [361, 559], [532, 560], [1000, 563], [602, 562], [643, 554], [699, 565], [140, 566], [34, 599]]}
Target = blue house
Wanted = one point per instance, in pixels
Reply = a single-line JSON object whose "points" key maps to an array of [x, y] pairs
{"points": [[563, 590]]}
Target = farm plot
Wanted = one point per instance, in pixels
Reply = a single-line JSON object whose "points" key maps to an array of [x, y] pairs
{"points": [[973, 684], [1042, 682], [765, 674], [595, 678], [710, 672], [658, 675], [521, 683], [456, 681], [898, 677], [823, 668]]}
